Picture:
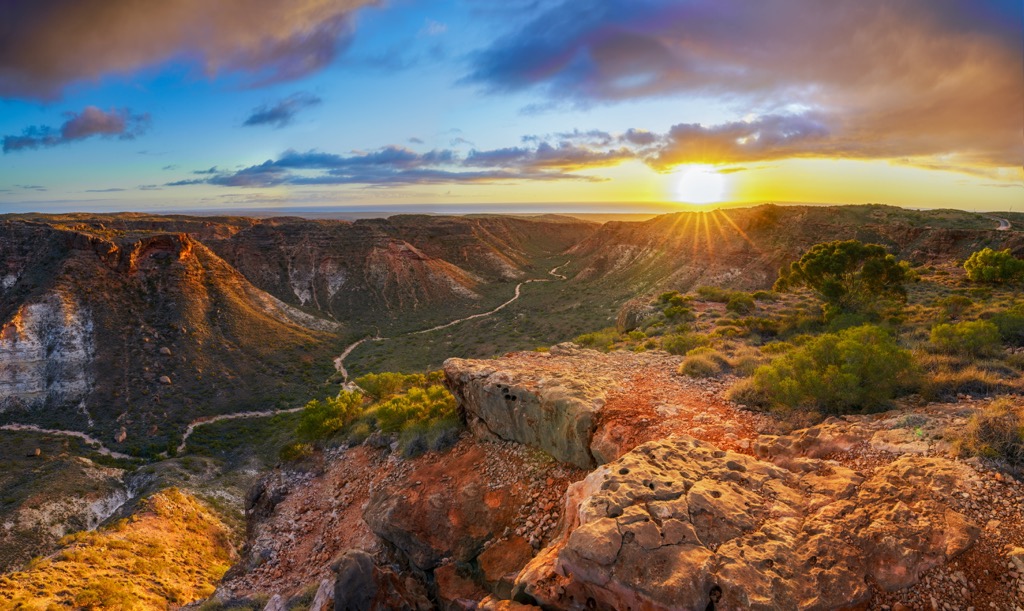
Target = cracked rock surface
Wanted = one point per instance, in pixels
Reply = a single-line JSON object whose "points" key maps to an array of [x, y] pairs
{"points": [[659, 527]]}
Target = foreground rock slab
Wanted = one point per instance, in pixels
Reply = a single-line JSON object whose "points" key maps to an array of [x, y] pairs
{"points": [[664, 524]]}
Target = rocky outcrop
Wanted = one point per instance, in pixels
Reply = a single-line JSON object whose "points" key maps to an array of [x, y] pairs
{"points": [[445, 511], [363, 586], [531, 403], [633, 313], [661, 526]]}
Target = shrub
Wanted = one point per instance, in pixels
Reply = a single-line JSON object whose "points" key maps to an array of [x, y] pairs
{"points": [[765, 296], [677, 313], [603, 339], [860, 367], [417, 406], [849, 276], [387, 384], [702, 362], [1011, 324], [996, 431], [955, 305], [741, 303], [681, 343], [969, 338], [714, 293], [296, 451], [321, 419], [994, 266]]}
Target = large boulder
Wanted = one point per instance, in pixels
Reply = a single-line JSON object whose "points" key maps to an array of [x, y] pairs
{"points": [[658, 528], [361, 585], [534, 400]]}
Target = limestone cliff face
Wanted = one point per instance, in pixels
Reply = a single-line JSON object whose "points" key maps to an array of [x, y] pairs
{"points": [[46, 353]]}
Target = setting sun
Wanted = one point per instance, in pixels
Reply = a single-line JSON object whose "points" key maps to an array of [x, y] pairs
{"points": [[700, 184]]}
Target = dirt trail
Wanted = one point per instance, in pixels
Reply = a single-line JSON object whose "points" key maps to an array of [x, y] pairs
{"points": [[211, 419], [102, 449], [339, 362]]}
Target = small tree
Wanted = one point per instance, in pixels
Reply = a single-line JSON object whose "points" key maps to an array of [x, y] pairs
{"points": [[849, 276], [994, 266]]}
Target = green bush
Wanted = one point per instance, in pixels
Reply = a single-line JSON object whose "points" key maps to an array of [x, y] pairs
{"points": [[862, 367], [765, 296], [997, 431], [741, 303], [679, 313], [1011, 325], [296, 451], [700, 366], [954, 306], [681, 343], [417, 406], [714, 293], [994, 266], [968, 338], [848, 276], [604, 339], [387, 384], [321, 419]]}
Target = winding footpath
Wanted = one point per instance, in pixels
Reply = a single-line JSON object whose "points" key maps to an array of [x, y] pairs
{"points": [[339, 364], [102, 449], [238, 415]]}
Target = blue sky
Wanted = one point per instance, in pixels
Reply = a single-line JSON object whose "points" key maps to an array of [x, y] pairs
{"points": [[106, 105]]}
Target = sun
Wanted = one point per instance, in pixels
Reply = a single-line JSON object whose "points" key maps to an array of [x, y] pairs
{"points": [[700, 184]]}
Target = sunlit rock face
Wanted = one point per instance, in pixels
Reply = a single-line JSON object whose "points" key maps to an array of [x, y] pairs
{"points": [[666, 523], [46, 353]]}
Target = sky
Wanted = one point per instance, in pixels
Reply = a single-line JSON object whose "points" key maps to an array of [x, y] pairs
{"points": [[631, 105]]}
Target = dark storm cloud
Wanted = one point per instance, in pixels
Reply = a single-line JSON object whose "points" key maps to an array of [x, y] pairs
{"points": [[92, 121], [46, 45], [913, 78], [283, 112]]}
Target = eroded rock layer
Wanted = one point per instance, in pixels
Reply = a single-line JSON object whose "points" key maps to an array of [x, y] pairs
{"points": [[664, 524]]}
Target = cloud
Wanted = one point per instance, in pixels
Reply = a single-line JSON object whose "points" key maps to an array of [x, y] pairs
{"points": [[415, 140], [396, 165], [433, 28], [212, 170], [92, 121], [282, 113], [46, 45], [111, 190], [915, 78]]}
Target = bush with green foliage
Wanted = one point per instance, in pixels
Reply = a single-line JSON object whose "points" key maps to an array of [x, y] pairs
{"points": [[715, 293], [848, 276], [996, 431], [968, 338], [995, 266], [389, 383], [702, 362], [321, 419], [604, 339], [416, 405], [425, 419], [681, 343], [859, 368], [1011, 324], [741, 303]]}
